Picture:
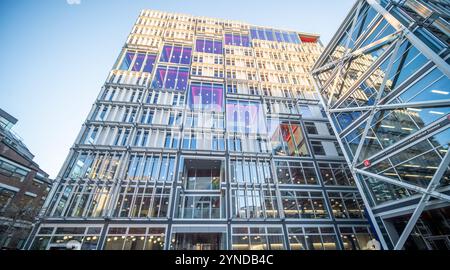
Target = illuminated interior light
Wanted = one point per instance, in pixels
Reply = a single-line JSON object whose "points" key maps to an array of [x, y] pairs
{"points": [[413, 109], [409, 129], [435, 112], [386, 126], [439, 92]]}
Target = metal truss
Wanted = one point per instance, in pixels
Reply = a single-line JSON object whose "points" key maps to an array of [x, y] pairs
{"points": [[402, 33]]}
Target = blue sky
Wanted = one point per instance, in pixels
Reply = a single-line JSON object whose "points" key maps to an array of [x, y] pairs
{"points": [[56, 55]]}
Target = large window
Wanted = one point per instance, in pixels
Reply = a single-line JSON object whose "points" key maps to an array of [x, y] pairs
{"points": [[356, 237], [135, 238], [274, 35], [151, 168], [250, 171], [169, 77], [297, 173], [346, 205], [143, 201], [312, 238], [6, 197], [303, 204], [257, 238], [206, 96], [287, 138], [138, 61], [336, 174], [176, 54], [93, 165], [200, 207], [254, 203], [50, 237], [245, 117], [237, 39], [12, 171], [209, 46]]}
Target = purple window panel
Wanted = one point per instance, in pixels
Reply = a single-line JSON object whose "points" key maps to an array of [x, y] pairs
{"points": [[200, 45], [158, 82], [253, 33], [228, 39], [278, 36], [150, 63], [209, 46], [269, 34], [195, 101], [237, 40], [186, 56], [138, 62], [286, 37], [183, 74], [165, 54], [218, 47], [171, 78], [261, 34], [217, 97], [126, 62], [245, 41], [176, 55], [206, 94]]}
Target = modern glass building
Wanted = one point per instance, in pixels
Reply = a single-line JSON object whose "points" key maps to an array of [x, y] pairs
{"points": [[384, 80], [207, 134]]}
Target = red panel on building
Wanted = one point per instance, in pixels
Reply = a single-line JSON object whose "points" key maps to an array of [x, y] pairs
{"points": [[308, 39]]}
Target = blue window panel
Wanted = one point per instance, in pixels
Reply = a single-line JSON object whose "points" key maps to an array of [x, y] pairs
{"points": [[209, 46], [171, 78], [278, 36], [286, 37], [126, 61], [269, 35], [160, 76], [182, 79], [245, 41], [176, 54], [186, 56], [139, 62], [294, 38], [165, 54], [149, 63], [253, 33], [261, 34], [237, 40], [228, 39], [200, 45], [206, 96], [218, 47]]}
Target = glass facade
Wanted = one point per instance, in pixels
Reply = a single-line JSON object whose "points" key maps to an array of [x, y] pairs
{"points": [[384, 81], [206, 135]]}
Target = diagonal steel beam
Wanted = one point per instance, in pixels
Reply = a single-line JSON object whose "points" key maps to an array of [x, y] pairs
{"points": [[404, 185], [422, 203]]}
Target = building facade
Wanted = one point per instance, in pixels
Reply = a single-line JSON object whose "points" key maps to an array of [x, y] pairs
{"points": [[384, 80], [207, 134], [23, 187]]}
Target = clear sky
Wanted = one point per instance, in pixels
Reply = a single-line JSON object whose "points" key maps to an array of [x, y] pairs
{"points": [[56, 54]]}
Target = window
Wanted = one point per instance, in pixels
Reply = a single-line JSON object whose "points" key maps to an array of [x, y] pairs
{"points": [[250, 171], [355, 238], [206, 96], [142, 62], [346, 205], [245, 117], [317, 148], [151, 168], [257, 238], [143, 201], [6, 197], [237, 39], [208, 46], [174, 78], [336, 174], [12, 171], [176, 54], [287, 138], [311, 128], [135, 238], [312, 238], [303, 204], [298, 173]]}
